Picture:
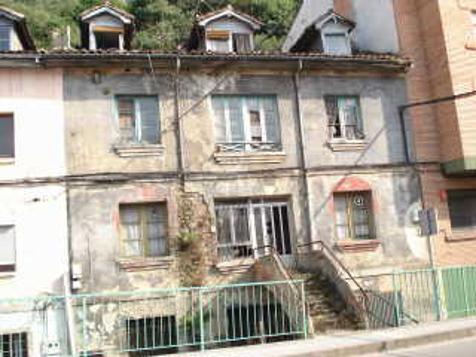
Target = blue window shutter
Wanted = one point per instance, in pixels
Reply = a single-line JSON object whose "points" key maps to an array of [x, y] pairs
{"points": [[271, 119], [235, 107], [218, 103], [149, 114]]}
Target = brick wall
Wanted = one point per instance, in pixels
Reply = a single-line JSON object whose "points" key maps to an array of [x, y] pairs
{"points": [[434, 34]]}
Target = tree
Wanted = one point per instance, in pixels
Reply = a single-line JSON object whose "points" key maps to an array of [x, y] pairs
{"points": [[160, 24]]}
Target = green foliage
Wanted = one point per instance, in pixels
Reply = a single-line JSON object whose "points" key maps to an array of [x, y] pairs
{"points": [[160, 24]]}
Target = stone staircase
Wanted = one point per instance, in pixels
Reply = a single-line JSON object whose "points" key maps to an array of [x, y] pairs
{"points": [[326, 308]]}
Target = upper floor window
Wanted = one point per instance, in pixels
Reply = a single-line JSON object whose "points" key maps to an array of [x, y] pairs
{"points": [[344, 117], [462, 207], [144, 230], [7, 249], [7, 136], [242, 42], [353, 215], [336, 43], [246, 123], [226, 41], [5, 38], [139, 121]]}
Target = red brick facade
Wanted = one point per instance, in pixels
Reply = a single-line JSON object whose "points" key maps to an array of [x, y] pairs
{"points": [[438, 36]]}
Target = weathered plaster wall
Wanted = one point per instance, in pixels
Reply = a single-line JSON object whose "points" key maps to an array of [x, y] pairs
{"points": [[394, 201], [92, 126], [379, 101]]}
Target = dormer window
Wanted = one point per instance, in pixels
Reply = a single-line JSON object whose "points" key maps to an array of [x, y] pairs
{"points": [[224, 31], [106, 27], [14, 34], [336, 43]]}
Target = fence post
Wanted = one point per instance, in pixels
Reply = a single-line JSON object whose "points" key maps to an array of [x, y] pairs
{"points": [[202, 327], [304, 313], [465, 292], [396, 300], [436, 292], [84, 339]]}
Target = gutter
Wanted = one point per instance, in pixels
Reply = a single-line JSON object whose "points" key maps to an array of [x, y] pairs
{"points": [[302, 151]]}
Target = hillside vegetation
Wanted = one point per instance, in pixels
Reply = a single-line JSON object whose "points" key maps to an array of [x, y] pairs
{"points": [[160, 24]]}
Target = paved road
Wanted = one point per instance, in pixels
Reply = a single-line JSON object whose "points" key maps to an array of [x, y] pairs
{"points": [[461, 348]]}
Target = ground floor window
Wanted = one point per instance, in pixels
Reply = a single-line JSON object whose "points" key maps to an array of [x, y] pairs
{"points": [[353, 215], [244, 227], [150, 336], [14, 345], [462, 207]]}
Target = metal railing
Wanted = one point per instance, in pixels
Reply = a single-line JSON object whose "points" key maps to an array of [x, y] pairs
{"points": [[376, 311], [248, 146], [162, 320]]}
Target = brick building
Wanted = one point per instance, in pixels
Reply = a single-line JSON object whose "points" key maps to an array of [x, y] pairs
{"points": [[439, 37]]}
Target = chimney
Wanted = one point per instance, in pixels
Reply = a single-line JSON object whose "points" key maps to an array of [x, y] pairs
{"points": [[344, 8]]}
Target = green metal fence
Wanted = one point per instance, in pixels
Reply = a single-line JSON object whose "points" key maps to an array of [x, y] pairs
{"points": [[141, 323], [435, 294]]}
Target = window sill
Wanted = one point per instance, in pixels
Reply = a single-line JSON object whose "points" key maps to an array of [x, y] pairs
{"points": [[7, 160], [144, 264], [358, 246], [461, 235], [237, 158], [347, 145], [238, 265], [138, 150]]}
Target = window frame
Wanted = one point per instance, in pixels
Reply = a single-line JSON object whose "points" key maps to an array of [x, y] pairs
{"points": [[450, 213], [254, 207], [349, 218], [326, 47], [143, 241], [9, 116], [218, 35], [250, 39], [24, 335], [10, 267], [136, 100], [248, 144], [8, 39], [336, 98]]}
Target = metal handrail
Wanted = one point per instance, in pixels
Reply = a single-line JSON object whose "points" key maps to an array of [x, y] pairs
{"points": [[364, 293]]}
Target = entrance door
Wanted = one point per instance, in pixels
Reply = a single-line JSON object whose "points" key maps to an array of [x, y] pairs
{"points": [[250, 228]]}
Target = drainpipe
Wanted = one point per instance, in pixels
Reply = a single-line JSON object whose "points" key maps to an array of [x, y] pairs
{"points": [[178, 126], [302, 152], [67, 280]]}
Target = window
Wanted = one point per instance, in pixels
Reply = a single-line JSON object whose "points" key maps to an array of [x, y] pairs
{"points": [[336, 44], [107, 40], [151, 335], [5, 40], [245, 227], [14, 345], [7, 136], [242, 42], [462, 207], [353, 215], [7, 249], [344, 117], [138, 119], [246, 123], [144, 230], [218, 41]]}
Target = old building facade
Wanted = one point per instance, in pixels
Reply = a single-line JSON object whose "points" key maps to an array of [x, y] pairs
{"points": [[185, 168]]}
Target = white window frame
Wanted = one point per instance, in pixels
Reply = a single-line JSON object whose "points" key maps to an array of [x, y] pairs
{"points": [[137, 117], [349, 218], [246, 123], [209, 41], [251, 38], [335, 33], [250, 205], [343, 126], [92, 38]]}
